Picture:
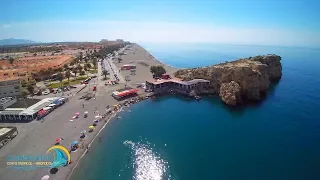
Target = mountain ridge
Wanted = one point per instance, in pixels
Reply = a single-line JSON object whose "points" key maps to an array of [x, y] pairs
{"points": [[13, 41]]}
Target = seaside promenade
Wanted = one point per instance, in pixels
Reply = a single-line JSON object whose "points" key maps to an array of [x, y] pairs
{"points": [[36, 137]]}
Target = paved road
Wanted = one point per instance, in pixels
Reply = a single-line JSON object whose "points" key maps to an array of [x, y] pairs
{"points": [[36, 137], [108, 64]]}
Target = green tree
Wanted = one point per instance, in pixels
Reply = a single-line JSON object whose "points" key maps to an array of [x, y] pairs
{"points": [[105, 73], [95, 64], [119, 60], [30, 89], [157, 71], [11, 59], [82, 73], [79, 67], [59, 69], [88, 65], [80, 57], [75, 71], [66, 67], [60, 78], [42, 73], [85, 69], [86, 59], [67, 74], [24, 83], [50, 71], [24, 95]]}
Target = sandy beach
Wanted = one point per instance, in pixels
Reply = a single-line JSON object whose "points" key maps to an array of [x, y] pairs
{"points": [[36, 137], [139, 56]]}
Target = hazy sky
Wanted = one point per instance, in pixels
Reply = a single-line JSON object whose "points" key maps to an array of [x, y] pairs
{"points": [[264, 22]]}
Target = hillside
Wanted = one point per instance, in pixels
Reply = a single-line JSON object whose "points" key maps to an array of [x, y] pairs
{"points": [[13, 41]]}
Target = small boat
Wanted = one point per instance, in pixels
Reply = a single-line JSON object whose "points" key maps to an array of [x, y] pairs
{"points": [[197, 98]]}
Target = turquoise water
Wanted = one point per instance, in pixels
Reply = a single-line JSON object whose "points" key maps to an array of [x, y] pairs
{"points": [[181, 139]]}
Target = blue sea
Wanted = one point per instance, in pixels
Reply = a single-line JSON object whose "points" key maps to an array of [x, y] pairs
{"points": [[181, 139]]}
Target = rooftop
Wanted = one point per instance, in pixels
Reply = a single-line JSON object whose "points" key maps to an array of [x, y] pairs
{"points": [[5, 100], [4, 130], [177, 80], [30, 110], [22, 104]]}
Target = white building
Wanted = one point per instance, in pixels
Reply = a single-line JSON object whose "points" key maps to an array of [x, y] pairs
{"points": [[10, 88]]}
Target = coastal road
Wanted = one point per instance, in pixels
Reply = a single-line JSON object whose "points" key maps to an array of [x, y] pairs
{"points": [[112, 69], [36, 137]]}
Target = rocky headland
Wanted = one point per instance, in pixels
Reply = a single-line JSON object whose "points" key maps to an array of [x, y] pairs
{"points": [[238, 81]]}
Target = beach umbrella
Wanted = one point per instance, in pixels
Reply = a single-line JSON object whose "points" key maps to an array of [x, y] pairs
{"points": [[91, 127], [46, 177], [86, 112], [74, 143], [83, 131], [58, 140]]}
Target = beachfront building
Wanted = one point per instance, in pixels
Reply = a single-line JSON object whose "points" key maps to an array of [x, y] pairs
{"points": [[176, 85], [128, 67], [119, 95], [6, 102], [10, 87], [20, 113]]}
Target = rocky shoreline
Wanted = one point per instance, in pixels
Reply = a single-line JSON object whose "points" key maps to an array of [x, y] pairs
{"points": [[238, 81]]}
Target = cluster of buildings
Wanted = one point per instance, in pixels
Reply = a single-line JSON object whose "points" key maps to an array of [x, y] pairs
{"points": [[26, 69], [167, 84]]}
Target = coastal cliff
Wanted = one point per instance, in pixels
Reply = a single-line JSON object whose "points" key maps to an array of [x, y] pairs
{"points": [[240, 80]]}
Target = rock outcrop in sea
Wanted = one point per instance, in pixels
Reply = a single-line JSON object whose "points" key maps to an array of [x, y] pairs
{"points": [[238, 81]]}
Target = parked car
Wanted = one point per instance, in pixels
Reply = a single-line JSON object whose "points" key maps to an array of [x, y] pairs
{"points": [[94, 76], [72, 87], [45, 92]]}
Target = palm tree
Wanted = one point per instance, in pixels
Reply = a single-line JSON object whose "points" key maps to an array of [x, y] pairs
{"points": [[88, 65], [42, 73], [86, 70], [59, 69], [86, 59], [11, 60], [24, 95], [66, 67], [119, 60], [60, 78], [94, 61], [105, 73], [79, 68], [68, 75], [80, 56], [82, 73], [30, 89], [50, 70], [75, 71]]}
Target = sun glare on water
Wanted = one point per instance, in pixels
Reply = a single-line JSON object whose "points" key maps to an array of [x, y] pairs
{"points": [[147, 165]]}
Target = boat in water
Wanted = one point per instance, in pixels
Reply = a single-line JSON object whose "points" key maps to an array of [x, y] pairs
{"points": [[198, 98]]}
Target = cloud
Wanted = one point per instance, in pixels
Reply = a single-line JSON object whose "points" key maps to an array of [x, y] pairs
{"points": [[6, 26], [159, 32]]}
